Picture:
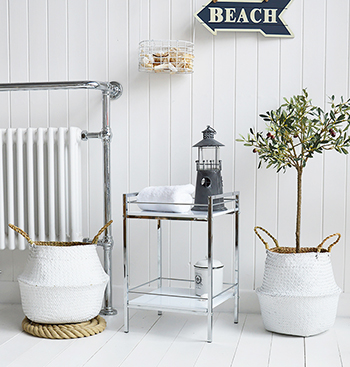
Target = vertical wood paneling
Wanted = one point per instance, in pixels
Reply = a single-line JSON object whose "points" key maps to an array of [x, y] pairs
{"points": [[223, 122], [6, 260], [245, 162], [78, 100], [139, 149], [18, 57], [159, 118], [181, 164], [267, 183], [4, 61], [290, 83], [203, 89], [57, 59], [118, 71], [38, 61], [347, 212], [335, 164], [97, 25], [314, 81], [346, 275], [159, 133]]}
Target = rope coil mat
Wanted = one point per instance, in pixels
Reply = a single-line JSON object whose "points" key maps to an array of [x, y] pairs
{"points": [[65, 331]]}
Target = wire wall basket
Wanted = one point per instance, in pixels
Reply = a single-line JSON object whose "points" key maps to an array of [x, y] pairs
{"points": [[169, 56]]}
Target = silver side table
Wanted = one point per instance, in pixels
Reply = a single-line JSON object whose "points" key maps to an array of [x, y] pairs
{"points": [[152, 295]]}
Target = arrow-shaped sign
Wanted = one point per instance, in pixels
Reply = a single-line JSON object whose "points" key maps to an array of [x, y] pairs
{"points": [[253, 16]]}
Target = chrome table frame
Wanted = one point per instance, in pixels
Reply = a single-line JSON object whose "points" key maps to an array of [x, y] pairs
{"points": [[211, 301], [110, 90]]}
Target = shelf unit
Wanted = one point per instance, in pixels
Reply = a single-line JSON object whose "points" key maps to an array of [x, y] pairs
{"points": [[181, 299]]}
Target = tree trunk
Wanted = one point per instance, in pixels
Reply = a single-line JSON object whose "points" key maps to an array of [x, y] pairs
{"points": [[298, 220]]}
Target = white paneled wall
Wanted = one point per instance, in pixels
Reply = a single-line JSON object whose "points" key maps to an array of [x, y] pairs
{"points": [[159, 117]]}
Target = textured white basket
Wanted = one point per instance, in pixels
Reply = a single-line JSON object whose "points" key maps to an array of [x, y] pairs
{"points": [[299, 295], [62, 283]]}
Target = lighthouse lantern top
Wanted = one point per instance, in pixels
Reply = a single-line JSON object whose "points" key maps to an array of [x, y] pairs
{"points": [[208, 139]]}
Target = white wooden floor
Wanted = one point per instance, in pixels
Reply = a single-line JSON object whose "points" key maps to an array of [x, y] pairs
{"points": [[174, 340]]}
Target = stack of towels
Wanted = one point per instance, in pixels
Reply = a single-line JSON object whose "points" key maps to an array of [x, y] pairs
{"points": [[166, 198]]}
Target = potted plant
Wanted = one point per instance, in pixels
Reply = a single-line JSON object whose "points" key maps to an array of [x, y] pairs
{"points": [[299, 295]]}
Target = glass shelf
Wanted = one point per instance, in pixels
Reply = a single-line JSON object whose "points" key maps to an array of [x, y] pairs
{"points": [[177, 300], [231, 200]]}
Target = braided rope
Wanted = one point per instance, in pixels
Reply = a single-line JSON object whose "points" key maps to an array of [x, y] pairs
{"points": [[332, 244], [94, 241], [291, 249], [20, 231], [56, 243], [262, 240], [65, 331]]}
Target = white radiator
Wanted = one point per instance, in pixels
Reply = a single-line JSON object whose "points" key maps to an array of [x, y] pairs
{"points": [[40, 185]]}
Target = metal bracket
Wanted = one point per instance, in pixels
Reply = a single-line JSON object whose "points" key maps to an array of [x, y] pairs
{"points": [[106, 242], [105, 134], [115, 90]]}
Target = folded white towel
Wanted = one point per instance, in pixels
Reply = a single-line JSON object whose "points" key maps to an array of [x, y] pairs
{"points": [[164, 196]]}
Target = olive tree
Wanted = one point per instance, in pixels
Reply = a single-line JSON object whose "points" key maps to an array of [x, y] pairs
{"points": [[295, 132]]}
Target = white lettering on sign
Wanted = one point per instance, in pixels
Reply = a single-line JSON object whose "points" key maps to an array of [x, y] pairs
{"points": [[242, 17], [253, 16], [216, 15], [230, 15], [270, 15]]}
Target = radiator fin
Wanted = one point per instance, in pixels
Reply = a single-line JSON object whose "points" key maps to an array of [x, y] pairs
{"points": [[40, 183]]}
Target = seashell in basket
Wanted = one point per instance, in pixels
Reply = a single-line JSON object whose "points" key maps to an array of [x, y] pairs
{"points": [[62, 282], [166, 56]]}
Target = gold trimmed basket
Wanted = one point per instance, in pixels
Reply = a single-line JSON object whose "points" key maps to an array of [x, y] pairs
{"points": [[63, 282], [298, 295]]}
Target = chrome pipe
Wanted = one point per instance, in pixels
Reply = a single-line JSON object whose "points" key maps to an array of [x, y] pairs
{"points": [[236, 261], [86, 135], [114, 89], [160, 256], [126, 265], [210, 268], [108, 239]]}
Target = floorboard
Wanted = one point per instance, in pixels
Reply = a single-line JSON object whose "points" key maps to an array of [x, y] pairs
{"points": [[122, 345], [153, 346], [286, 351], [322, 350], [226, 337], [174, 340], [254, 345], [342, 333]]}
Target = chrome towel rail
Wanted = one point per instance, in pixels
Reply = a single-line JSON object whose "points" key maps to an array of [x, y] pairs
{"points": [[110, 90], [114, 89]]}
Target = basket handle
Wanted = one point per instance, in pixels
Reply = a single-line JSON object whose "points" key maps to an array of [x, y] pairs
{"points": [[21, 232], [262, 240], [94, 241], [331, 245]]}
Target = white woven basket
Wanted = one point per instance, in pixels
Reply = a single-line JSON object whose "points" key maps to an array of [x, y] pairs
{"points": [[299, 295], [62, 282]]}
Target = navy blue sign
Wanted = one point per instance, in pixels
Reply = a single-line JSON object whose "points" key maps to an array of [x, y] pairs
{"points": [[256, 16]]}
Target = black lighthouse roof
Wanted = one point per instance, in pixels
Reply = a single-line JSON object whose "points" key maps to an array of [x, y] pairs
{"points": [[208, 139]]}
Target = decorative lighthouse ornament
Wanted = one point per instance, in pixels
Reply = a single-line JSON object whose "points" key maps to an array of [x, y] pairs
{"points": [[208, 165]]}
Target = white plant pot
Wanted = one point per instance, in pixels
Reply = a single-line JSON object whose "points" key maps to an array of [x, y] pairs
{"points": [[62, 282], [299, 295]]}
